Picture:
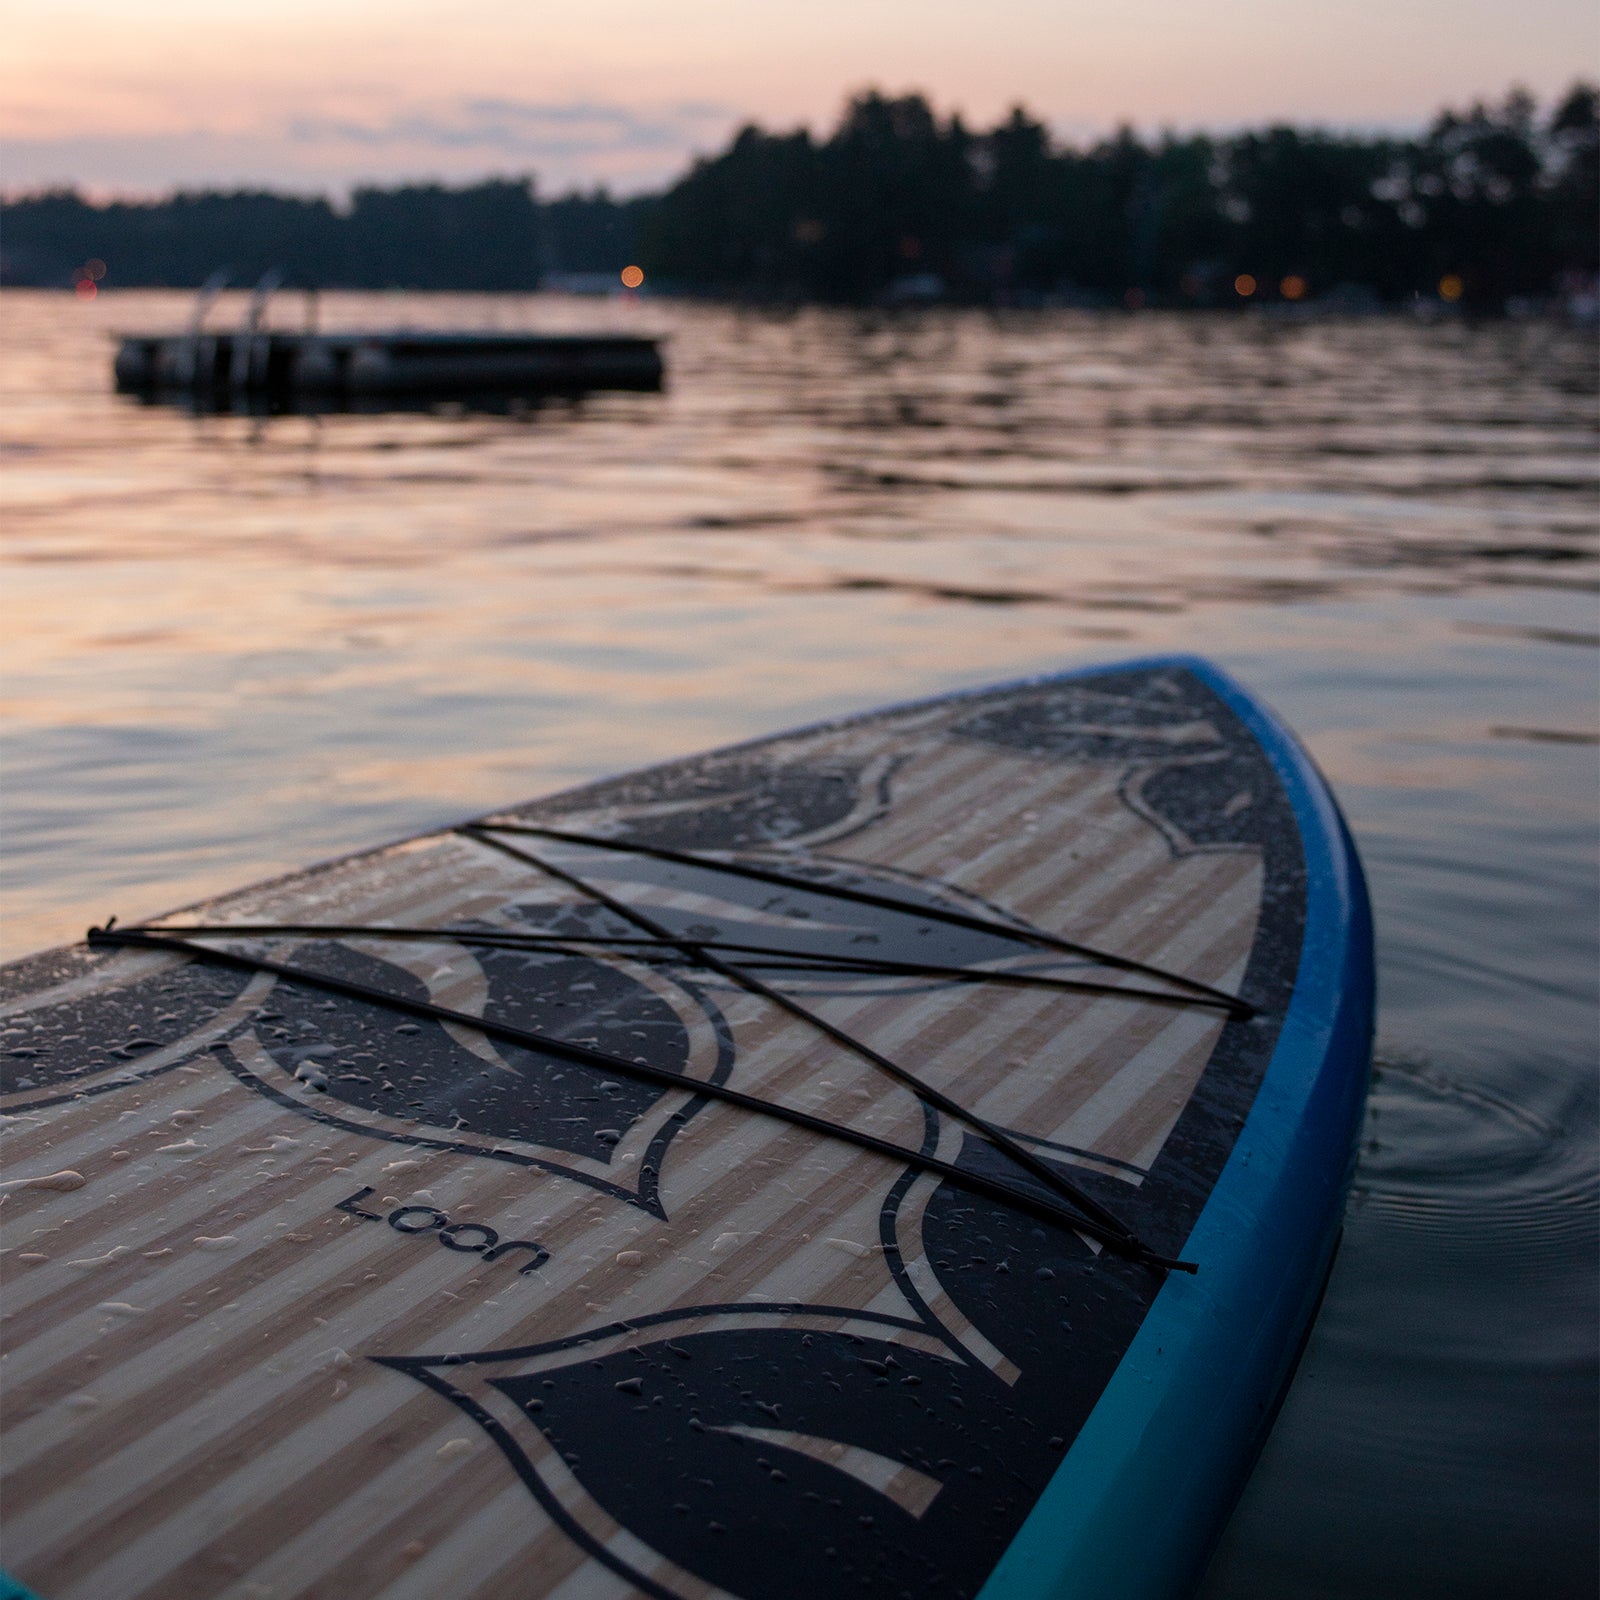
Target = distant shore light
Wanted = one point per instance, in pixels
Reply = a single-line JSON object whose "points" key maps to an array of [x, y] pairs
{"points": [[1450, 287], [94, 268], [1245, 285], [1293, 287], [85, 289], [632, 277]]}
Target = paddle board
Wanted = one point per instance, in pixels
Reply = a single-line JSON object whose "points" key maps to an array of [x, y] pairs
{"points": [[898, 1157]]}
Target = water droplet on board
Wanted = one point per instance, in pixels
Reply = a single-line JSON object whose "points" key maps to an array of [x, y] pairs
{"points": [[181, 1117], [401, 1166], [630, 1258], [120, 1308], [184, 1147], [221, 1241], [97, 1261], [725, 1241], [851, 1248], [62, 1182], [452, 1448], [81, 1402]]}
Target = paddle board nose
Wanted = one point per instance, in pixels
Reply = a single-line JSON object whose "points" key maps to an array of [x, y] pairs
{"points": [[900, 1155]]}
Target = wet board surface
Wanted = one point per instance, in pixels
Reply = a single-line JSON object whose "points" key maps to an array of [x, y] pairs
{"points": [[307, 1294]]}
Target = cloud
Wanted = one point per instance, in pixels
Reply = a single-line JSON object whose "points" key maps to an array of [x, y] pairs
{"points": [[563, 143], [524, 128]]}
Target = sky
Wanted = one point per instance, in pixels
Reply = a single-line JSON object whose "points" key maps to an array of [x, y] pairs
{"points": [[318, 95]]}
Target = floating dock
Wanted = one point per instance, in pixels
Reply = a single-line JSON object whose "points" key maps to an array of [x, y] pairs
{"points": [[353, 365]]}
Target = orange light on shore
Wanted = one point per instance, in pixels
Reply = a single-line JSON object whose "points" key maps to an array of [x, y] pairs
{"points": [[94, 268], [85, 289], [1244, 285], [632, 277], [1450, 287], [1293, 287]]}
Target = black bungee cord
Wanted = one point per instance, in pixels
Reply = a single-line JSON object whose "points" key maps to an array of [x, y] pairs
{"points": [[1120, 1241], [647, 948], [998, 1137], [1237, 1007], [1093, 1219]]}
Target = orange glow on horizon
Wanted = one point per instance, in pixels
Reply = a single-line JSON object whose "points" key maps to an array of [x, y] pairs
{"points": [[1244, 285], [632, 277], [85, 289], [1293, 287], [1450, 287]]}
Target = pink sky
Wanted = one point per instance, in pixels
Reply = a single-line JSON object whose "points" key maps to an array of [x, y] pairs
{"points": [[293, 93]]}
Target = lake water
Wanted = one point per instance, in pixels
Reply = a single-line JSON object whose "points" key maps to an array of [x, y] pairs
{"points": [[235, 646]]}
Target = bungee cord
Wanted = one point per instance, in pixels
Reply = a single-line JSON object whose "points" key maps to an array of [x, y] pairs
{"points": [[739, 962]]}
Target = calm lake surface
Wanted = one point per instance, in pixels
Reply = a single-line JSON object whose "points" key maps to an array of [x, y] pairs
{"points": [[234, 646]]}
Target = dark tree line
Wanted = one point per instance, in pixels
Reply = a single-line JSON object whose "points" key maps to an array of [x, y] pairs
{"points": [[1495, 197], [1493, 202], [493, 235]]}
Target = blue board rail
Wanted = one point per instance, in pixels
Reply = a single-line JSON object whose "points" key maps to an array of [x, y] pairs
{"points": [[1137, 1505]]}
